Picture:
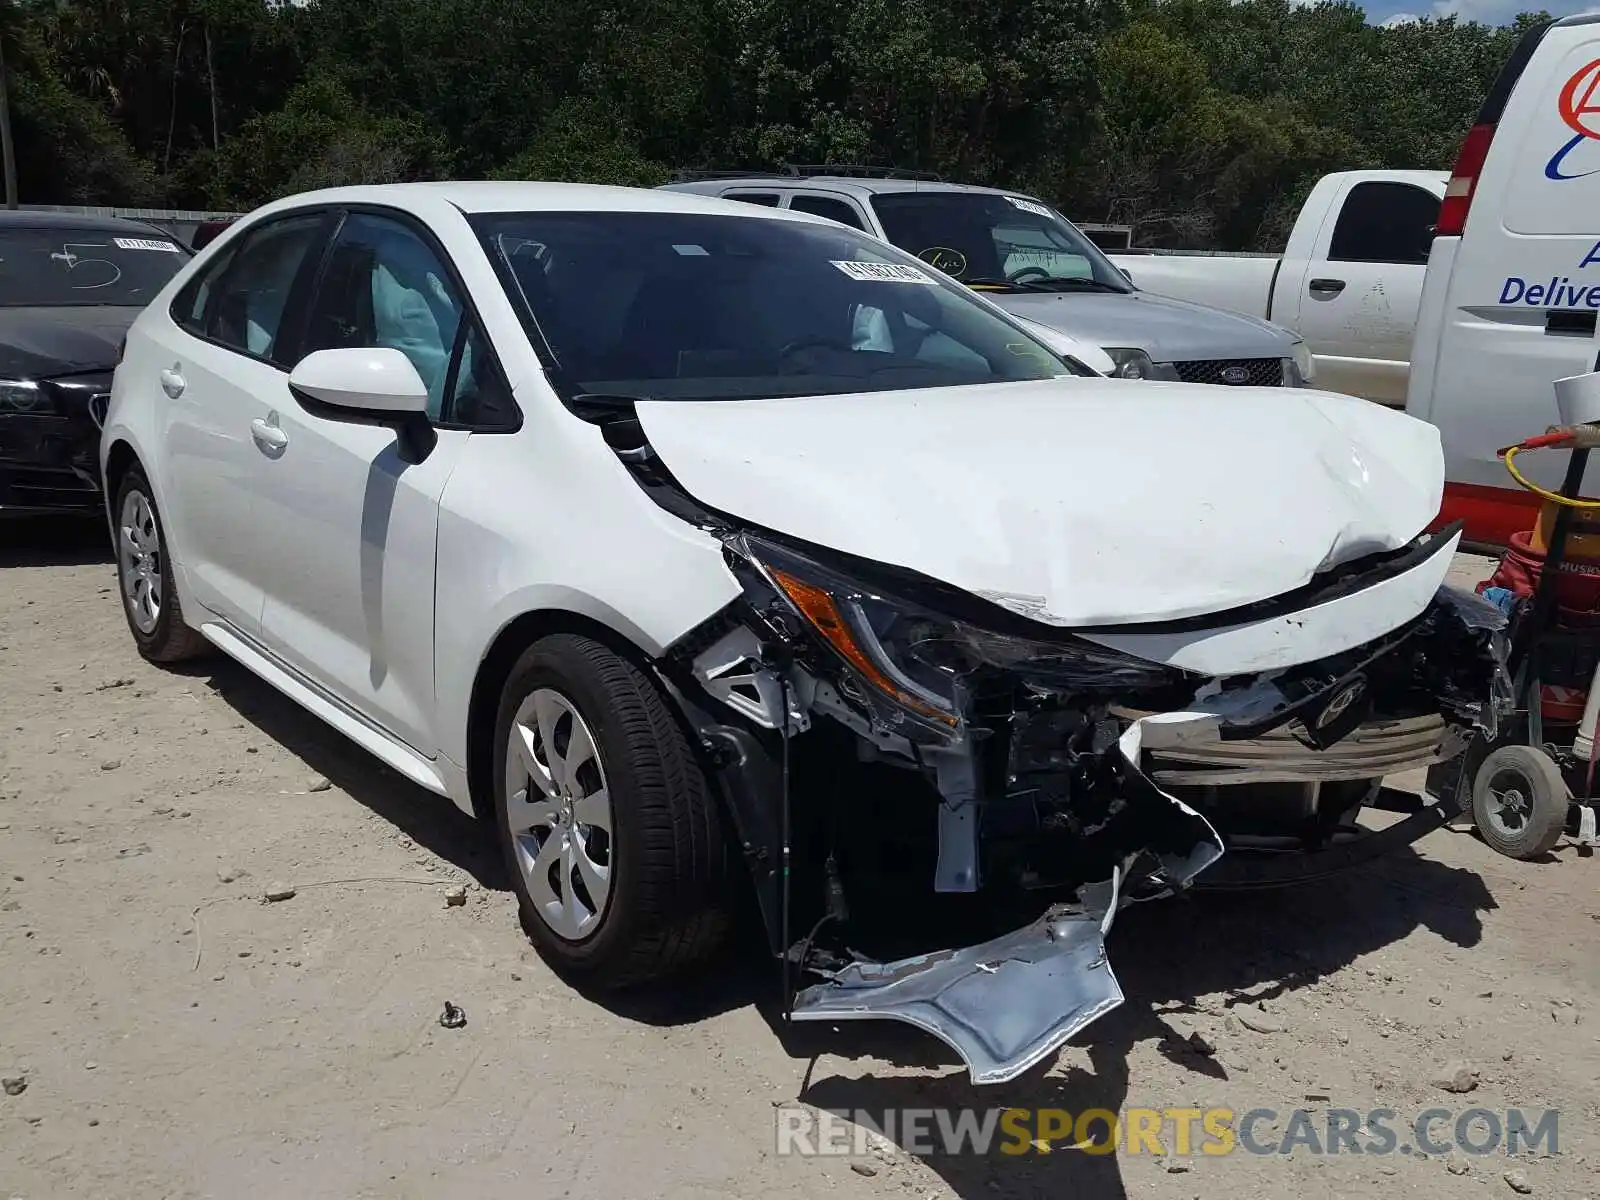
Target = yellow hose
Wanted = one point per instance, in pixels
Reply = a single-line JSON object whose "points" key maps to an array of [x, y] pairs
{"points": [[1553, 497]]}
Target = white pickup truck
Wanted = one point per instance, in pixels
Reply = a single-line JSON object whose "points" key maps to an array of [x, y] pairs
{"points": [[1349, 281]]}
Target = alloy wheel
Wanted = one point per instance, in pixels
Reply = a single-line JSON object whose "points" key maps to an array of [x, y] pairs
{"points": [[139, 561], [559, 814]]}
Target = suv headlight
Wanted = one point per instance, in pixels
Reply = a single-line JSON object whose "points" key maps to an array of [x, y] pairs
{"points": [[1300, 368], [1133, 363]]}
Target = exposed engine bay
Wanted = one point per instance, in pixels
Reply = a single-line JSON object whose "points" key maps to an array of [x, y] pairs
{"points": [[888, 742]]}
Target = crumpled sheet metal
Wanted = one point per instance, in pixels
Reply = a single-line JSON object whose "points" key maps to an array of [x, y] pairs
{"points": [[1008, 1003]]}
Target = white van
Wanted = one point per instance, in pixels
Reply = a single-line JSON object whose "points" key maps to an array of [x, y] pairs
{"points": [[1513, 279]]}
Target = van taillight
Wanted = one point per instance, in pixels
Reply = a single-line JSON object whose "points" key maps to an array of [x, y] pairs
{"points": [[1464, 181]]}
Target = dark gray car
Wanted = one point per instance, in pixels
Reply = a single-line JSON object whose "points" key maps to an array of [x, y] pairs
{"points": [[70, 286], [1036, 264]]}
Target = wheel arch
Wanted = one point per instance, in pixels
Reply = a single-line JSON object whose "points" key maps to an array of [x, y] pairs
{"points": [[119, 458]]}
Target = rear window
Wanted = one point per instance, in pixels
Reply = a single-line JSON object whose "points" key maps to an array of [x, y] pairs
{"points": [[709, 307], [63, 267]]}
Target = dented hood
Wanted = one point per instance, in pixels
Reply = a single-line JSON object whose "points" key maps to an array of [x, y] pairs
{"points": [[1074, 501]]}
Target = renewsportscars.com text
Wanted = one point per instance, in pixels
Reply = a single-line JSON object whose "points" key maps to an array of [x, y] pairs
{"points": [[806, 1131]]}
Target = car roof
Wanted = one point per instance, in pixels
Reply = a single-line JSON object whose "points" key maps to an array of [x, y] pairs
{"points": [[21, 219], [495, 197], [851, 184]]}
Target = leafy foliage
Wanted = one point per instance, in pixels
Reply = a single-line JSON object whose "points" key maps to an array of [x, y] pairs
{"points": [[1197, 121]]}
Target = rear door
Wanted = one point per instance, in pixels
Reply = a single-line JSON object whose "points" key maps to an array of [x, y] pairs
{"points": [[1358, 304], [222, 367]]}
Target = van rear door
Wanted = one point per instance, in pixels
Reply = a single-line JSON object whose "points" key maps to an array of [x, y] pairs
{"points": [[1509, 306]]}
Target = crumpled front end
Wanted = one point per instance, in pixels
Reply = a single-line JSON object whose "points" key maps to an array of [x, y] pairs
{"points": [[940, 761]]}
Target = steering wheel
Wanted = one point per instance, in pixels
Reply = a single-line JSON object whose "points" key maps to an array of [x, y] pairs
{"points": [[808, 342], [1023, 273]]}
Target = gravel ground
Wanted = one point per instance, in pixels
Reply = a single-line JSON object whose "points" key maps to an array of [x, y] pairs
{"points": [[174, 1035]]}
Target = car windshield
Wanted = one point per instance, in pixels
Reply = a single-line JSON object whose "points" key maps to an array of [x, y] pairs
{"points": [[700, 306], [56, 267], [1008, 242]]}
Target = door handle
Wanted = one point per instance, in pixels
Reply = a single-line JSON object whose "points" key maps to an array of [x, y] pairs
{"points": [[268, 436], [172, 383], [1326, 287]]}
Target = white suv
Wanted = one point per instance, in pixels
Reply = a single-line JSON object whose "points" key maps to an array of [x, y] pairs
{"points": [[666, 532]]}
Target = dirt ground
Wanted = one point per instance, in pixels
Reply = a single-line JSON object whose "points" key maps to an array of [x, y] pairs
{"points": [[180, 1038]]}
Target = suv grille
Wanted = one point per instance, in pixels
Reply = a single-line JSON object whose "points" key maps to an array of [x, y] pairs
{"points": [[1238, 372]]}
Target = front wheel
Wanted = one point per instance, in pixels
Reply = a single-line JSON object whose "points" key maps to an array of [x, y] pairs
{"points": [[608, 826], [1519, 801], [145, 576]]}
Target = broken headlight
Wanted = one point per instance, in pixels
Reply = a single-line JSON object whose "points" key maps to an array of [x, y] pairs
{"points": [[911, 664], [877, 638]]}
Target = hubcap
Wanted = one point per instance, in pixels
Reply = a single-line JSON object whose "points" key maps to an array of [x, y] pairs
{"points": [[1512, 806], [559, 814], [139, 561]]}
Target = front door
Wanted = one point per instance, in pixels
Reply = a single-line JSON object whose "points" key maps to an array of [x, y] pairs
{"points": [[350, 604], [1358, 308]]}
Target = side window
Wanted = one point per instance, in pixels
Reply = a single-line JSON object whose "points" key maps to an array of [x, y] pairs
{"points": [[253, 290], [826, 206], [1385, 223], [478, 396], [383, 286], [189, 306], [766, 199]]}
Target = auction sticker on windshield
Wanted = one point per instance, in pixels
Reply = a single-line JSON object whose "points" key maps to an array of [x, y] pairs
{"points": [[1031, 206], [880, 272], [145, 244]]}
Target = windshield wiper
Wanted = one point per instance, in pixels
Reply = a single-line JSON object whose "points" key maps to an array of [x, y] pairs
{"points": [[1022, 285], [1081, 284]]}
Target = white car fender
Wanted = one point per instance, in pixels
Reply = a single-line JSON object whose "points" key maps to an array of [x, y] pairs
{"points": [[625, 538]]}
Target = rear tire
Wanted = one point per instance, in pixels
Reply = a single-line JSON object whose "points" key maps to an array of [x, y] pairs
{"points": [[610, 832], [1519, 801], [145, 576]]}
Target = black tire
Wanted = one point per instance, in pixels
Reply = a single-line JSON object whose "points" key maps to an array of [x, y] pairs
{"points": [[666, 909], [1540, 797], [170, 640]]}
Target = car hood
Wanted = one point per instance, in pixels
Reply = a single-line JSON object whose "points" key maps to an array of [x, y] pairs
{"points": [[36, 343], [1073, 502], [1167, 330]]}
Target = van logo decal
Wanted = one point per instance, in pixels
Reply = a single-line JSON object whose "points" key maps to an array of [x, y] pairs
{"points": [[1579, 105]]}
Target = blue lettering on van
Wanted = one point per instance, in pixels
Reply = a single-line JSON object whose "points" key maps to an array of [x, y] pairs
{"points": [[1560, 292], [1592, 257]]}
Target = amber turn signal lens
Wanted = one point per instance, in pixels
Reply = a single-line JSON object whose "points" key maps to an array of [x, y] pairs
{"points": [[818, 607]]}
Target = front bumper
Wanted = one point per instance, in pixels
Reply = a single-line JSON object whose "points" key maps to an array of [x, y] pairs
{"points": [[1006, 1004], [1057, 781], [49, 461]]}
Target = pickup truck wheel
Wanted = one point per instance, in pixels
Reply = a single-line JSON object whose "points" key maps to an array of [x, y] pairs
{"points": [[609, 829], [144, 577], [1519, 801]]}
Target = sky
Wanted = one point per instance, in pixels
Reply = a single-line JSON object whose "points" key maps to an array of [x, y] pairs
{"points": [[1490, 12]]}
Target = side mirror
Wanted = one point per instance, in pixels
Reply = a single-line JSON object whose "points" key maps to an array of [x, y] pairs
{"points": [[378, 386], [1126, 274]]}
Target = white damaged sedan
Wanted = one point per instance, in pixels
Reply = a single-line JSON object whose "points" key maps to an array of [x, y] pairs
{"points": [[707, 550]]}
